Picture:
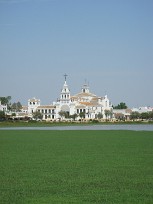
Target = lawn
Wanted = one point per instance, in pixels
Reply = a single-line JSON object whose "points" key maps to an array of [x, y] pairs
{"points": [[38, 167]]}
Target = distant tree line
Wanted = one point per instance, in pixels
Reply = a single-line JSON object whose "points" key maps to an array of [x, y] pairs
{"points": [[142, 116]]}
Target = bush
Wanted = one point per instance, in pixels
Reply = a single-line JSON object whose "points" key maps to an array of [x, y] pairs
{"points": [[95, 121]]}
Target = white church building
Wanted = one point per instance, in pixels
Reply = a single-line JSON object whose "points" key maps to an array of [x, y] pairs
{"points": [[85, 101]]}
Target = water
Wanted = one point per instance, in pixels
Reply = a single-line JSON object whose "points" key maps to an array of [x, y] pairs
{"points": [[90, 127]]}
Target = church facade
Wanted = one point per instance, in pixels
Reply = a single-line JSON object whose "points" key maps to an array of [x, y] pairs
{"points": [[84, 105]]}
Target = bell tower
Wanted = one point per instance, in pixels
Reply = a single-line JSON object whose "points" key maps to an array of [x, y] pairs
{"points": [[65, 92], [85, 88]]}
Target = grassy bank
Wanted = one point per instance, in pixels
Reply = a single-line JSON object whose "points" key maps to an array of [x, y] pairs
{"points": [[76, 167], [49, 124]]}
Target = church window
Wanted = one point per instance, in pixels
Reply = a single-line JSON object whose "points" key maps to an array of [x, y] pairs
{"points": [[45, 116], [52, 116], [80, 110], [65, 96], [42, 111], [53, 111], [77, 110], [49, 111], [84, 110], [30, 103], [45, 110], [33, 103]]}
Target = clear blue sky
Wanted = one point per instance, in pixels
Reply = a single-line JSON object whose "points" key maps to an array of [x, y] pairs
{"points": [[108, 43]]}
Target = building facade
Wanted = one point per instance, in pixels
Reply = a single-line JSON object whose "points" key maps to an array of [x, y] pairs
{"points": [[83, 102], [84, 105]]}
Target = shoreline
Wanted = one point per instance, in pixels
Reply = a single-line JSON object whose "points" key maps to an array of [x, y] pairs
{"points": [[134, 127]]}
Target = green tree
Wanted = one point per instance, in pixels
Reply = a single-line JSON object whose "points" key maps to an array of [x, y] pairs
{"points": [[108, 114], [151, 115], [2, 115], [135, 115], [67, 114], [16, 107], [74, 116], [64, 114], [61, 114], [121, 106], [99, 116], [145, 115], [82, 115], [37, 115], [6, 101]]}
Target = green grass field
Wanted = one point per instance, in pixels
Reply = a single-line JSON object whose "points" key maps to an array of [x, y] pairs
{"points": [[38, 167]]}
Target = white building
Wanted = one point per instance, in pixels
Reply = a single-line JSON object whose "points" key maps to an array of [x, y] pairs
{"points": [[24, 109], [48, 112], [86, 102], [142, 109], [122, 114], [33, 105], [3, 107]]}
